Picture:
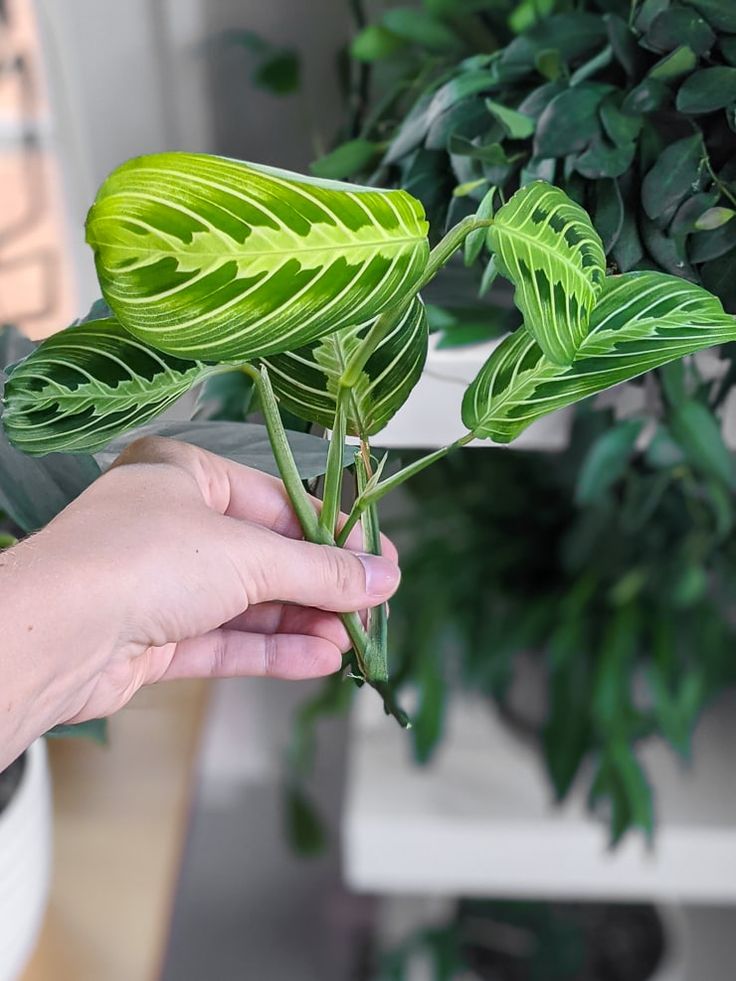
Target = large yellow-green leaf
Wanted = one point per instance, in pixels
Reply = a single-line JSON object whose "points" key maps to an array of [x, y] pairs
{"points": [[547, 246], [641, 321], [307, 381], [210, 258], [89, 383]]}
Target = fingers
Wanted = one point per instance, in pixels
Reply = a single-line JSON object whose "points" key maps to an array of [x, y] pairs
{"points": [[275, 568], [279, 618], [232, 654], [235, 490]]}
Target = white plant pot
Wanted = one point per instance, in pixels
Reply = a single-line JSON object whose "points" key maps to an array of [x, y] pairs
{"points": [[25, 863]]}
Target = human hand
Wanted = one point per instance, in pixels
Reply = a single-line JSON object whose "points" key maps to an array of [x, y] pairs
{"points": [[178, 564]]}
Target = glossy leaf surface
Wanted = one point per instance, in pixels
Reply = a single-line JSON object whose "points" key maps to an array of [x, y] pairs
{"points": [[87, 384], [547, 246], [306, 381], [214, 259], [642, 320]]}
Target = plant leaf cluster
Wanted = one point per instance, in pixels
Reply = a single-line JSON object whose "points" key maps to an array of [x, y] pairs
{"points": [[629, 107]]}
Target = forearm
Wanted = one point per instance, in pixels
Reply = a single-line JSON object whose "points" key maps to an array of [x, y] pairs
{"points": [[51, 639]]}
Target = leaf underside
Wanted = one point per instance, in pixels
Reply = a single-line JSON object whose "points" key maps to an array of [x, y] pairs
{"points": [[547, 246], [214, 259], [88, 384], [307, 381], [642, 320]]}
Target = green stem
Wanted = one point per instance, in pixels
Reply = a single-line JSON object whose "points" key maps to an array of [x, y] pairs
{"points": [[335, 465], [439, 255], [300, 500], [371, 497], [376, 654]]}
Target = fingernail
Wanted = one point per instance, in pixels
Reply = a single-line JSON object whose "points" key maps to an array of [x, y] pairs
{"points": [[381, 575]]}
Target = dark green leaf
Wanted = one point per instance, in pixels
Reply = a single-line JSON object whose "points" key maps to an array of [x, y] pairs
{"points": [[649, 95], [621, 780], [538, 99], [278, 73], [549, 64], [674, 176], [517, 125], [720, 14], [538, 169], [680, 25], [491, 153], [347, 159], [431, 106], [669, 253], [622, 128], [420, 27], [567, 734], [607, 461], [601, 159], [728, 49], [304, 829], [570, 121], [608, 217], [572, 35], [719, 276], [698, 433], [590, 68], [647, 13], [690, 211], [228, 397], [708, 90], [705, 246], [475, 325], [622, 40], [429, 717], [95, 730], [467, 118], [628, 250], [374, 43], [679, 62]]}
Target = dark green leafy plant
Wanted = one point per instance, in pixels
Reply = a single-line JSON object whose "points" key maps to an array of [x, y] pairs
{"points": [[524, 941], [311, 289], [628, 106]]}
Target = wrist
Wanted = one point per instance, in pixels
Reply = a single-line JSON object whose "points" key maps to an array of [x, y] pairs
{"points": [[57, 634]]}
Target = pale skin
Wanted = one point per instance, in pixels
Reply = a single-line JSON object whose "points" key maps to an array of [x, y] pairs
{"points": [[174, 564]]}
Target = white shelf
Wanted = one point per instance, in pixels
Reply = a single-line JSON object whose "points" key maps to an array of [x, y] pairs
{"points": [[480, 821], [431, 416]]}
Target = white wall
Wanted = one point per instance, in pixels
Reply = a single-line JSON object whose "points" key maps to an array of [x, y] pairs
{"points": [[137, 77]]}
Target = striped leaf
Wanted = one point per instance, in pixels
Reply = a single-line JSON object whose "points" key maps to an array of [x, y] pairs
{"points": [[641, 321], [213, 259], [547, 246], [87, 384], [306, 381]]}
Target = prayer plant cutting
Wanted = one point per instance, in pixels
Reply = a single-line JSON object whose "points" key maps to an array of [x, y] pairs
{"points": [[312, 289]]}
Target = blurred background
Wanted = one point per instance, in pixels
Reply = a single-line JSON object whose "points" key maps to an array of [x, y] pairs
{"points": [[255, 829]]}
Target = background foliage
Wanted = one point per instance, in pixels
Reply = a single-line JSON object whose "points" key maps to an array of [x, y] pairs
{"points": [[613, 565]]}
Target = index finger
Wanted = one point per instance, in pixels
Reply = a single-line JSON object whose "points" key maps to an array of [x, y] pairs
{"points": [[236, 490]]}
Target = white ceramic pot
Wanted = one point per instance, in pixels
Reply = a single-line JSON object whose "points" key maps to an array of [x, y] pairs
{"points": [[25, 863]]}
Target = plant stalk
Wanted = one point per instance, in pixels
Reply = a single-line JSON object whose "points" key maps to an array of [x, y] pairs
{"points": [[332, 494], [300, 500], [371, 496]]}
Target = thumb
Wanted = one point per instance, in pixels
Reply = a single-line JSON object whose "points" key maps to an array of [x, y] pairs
{"points": [[322, 576]]}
